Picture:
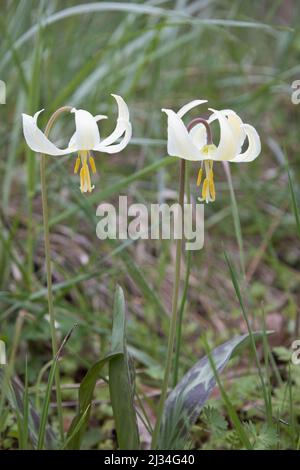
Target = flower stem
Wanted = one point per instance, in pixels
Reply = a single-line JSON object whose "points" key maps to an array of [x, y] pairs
{"points": [[185, 291], [48, 266], [174, 315]]}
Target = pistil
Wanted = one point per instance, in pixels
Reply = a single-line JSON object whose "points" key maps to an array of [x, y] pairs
{"points": [[208, 193]]}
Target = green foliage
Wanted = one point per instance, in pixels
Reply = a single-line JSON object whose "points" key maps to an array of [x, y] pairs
{"points": [[155, 54], [265, 438], [86, 391], [121, 382], [186, 400], [215, 421]]}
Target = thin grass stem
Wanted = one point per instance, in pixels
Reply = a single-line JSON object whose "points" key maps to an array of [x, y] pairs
{"points": [[174, 317], [48, 266]]}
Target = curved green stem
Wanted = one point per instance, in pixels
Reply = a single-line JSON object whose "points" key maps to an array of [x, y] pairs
{"points": [[174, 316], [48, 266]]}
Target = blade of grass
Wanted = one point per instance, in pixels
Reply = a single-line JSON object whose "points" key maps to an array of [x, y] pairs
{"points": [[115, 188], [252, 340], [294, 202], [144, 9], [121, 385], [45, 410], [86, 392], [236, 217], [26, 409], [231, 411]]}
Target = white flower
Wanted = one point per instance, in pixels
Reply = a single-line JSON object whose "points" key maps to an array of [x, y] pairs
{"points": [[194, 142], [85, 139]]}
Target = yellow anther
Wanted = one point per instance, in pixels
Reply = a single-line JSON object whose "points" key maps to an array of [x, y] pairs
{"points": [[211, 183], [205, 189], [208, 189], [212, 189], [199, 179], [92, 164], [87, 178], [82, 173], [77, 164]]}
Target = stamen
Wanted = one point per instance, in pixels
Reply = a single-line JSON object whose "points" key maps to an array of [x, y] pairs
{"points": [[212, 189], [87, 177], [77, 164], [92, 164], [208, 193], [82, 179], [199, 179], [211, 185], [204, 190]]}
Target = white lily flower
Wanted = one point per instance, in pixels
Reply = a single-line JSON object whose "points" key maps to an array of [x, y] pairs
{"points": [[85, 139], [194, 142]]}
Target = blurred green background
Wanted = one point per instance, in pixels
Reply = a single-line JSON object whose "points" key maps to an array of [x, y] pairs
{"points": [[236, 54]]}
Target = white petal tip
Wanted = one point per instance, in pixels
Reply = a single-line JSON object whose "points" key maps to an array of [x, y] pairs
{"points": [[100, 117], [36, 115]]}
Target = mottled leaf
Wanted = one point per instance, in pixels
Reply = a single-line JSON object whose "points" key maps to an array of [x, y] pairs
{"points": [[183, 405]]}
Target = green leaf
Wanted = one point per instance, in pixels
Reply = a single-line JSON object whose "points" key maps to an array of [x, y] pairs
{"points": [[264, 438], [86, 391], [186, 400], [282, 353], [16, 397], [214, 420], [45, 410], [120, 381]]}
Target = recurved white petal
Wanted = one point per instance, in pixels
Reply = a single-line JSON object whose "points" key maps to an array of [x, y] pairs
{"points": [[180, 143], [122, 107], [37, 140], [226, 150], [100, 117], [115, 148], [87, 133], [254, 146], [187, 107], [237, 128], [122, 121], [72, 143]]}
